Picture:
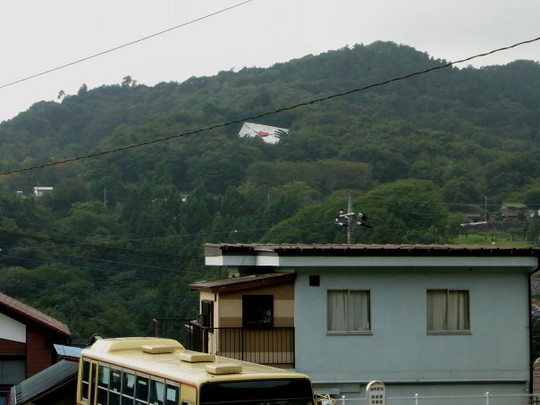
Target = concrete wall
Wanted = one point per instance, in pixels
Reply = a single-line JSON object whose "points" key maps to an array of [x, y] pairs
{"points": [[399, 351]]}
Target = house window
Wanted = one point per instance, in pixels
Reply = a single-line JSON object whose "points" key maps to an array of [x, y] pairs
{"points": [[258, 311], [207, 312], [315, 281], [348, 311], [12, 369], [447, 311]]}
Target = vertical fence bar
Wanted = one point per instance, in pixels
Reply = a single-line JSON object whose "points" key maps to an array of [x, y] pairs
{"points": [[487, 398], [343, 400], [242, 344], [293, 347], [416, 399]]}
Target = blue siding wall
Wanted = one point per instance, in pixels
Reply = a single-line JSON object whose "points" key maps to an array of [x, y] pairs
{"points": [[399, 350]]}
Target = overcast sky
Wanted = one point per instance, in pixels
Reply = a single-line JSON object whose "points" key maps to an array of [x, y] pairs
{"points": [[38, 35]]}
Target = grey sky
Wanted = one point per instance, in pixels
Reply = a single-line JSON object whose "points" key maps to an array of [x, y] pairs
{"points": [[37, 36]]}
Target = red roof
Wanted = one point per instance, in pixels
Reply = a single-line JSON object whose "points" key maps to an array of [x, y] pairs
{"points": [[32, 314]]}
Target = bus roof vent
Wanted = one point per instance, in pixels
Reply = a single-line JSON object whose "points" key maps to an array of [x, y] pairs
{"points": [[223, 368], [157, 349], [196, 357]]}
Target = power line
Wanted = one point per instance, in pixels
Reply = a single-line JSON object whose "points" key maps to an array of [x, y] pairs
{"points": [[116, 48], [114, 262], [96, 269], [264, 114], [62, 283], [70, 244], [60, 243]]}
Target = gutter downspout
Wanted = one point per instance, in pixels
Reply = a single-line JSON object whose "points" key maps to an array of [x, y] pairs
{"points": [[531, 360]]}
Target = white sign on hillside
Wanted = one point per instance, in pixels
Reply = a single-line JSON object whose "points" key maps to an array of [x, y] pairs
{"points": [[267, 133]]}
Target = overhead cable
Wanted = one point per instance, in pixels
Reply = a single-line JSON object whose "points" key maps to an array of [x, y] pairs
{"points": [[75, 62], [264, 114]]}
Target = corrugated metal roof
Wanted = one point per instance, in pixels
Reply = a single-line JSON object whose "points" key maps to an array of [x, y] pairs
{"points": [[33, 314], [68, 351], [213, 249], [44, 381]]}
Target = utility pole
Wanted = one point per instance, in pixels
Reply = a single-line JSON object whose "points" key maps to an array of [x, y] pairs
{"points": [[350, 219]]}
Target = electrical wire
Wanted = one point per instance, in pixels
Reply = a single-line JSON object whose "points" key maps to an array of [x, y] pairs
{"points": [[321, 99], [186, 259], [116, 48], [90, 268], [114, 262], [62, 283], [60, 243], [196, 258], [67, 244], [268, 113]]}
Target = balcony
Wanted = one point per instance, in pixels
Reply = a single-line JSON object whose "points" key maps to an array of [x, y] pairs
{"points": [[271, 346]]}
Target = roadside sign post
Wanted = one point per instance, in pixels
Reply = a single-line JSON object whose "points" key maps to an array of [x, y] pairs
{"points": [[376, 393]]}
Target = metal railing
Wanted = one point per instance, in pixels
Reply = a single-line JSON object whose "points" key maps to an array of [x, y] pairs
{"points": [[273, 346], [484, 399], [174, 328], [264, 346]]}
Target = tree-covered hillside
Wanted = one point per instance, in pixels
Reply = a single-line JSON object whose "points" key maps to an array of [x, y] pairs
{"points": [[144, 176]]}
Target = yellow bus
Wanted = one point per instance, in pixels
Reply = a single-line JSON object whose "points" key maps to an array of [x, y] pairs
{"points": [[158, 371]]}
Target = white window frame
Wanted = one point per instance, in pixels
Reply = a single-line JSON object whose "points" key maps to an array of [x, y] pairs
{"points": [[349, 312]]}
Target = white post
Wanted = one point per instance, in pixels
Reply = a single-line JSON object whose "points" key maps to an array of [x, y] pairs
{"points": [[416, 399], [487, 398], [343, 400]]}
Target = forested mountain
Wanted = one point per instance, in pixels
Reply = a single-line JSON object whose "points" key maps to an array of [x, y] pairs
{"points": [[153, 173]]}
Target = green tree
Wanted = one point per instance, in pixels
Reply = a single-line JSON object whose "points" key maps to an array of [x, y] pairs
{"points": [[66, 193], [127, 81], [409, 211], [461, 190]]}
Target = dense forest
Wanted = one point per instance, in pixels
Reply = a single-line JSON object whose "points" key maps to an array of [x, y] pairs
{"points": [[144, 176]]}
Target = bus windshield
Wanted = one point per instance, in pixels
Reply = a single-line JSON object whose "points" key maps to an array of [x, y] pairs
{"points": [[258, 392]]}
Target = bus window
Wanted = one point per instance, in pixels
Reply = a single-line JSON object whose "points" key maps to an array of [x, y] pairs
{"points": [[157, 391], [115, 387], [171, 397], [103, 384], [128, 389], [141, 390], [258, 392], [85, 380], [88, 381]]}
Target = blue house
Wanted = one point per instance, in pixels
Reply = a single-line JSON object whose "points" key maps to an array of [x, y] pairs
{"points": [[428, 319]]}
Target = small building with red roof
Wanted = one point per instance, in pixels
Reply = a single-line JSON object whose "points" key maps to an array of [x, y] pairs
{"points": [[27, 339]]}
